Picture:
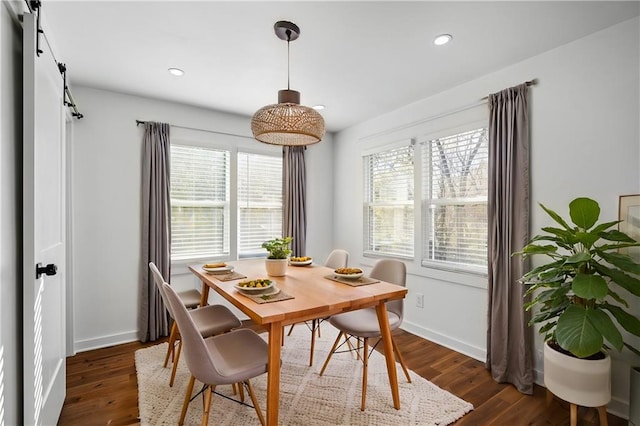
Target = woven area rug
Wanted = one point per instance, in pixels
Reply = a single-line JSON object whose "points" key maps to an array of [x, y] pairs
{"points": [[305, 397]]}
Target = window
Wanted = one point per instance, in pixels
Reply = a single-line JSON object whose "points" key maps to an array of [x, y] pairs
{"points": [[259, 201], [199, 202], [454, 201], [202, 210], [389, 199]]}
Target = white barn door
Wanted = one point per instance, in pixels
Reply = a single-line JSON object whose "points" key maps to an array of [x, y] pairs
{"points": [[44, 193]]}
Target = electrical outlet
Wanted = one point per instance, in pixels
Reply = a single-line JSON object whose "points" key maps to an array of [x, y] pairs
{"points": [[420, 300]]}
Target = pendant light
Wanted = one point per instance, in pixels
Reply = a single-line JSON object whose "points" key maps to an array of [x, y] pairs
{"points": [[287, 123]]}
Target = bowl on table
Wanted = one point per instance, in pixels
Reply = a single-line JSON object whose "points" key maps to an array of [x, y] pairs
{"points": [[348, 273], [300, 261]]}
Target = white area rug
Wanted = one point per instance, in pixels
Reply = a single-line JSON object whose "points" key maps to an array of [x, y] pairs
{"points": [[305, 397]]}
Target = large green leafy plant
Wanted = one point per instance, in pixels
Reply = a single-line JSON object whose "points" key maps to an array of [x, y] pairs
{"points": [[278, 248], [577, 293]]}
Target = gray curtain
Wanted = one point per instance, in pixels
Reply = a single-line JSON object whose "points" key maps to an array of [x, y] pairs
{"points": [[156, 229], [509, 353], [294, 220]]}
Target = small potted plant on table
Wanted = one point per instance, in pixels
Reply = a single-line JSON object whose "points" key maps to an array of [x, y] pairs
{"points": [[580, 300], [279, 251]]}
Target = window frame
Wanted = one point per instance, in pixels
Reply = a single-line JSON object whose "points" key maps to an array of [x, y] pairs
{"points": [[234, 144]]}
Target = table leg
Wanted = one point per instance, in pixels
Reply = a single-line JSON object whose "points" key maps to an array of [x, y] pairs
{"points": [[204, 298], [273, 373], [385, 331]]}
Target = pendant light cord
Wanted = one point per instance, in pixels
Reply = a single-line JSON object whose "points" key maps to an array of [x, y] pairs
{"points": [[288, 58]]}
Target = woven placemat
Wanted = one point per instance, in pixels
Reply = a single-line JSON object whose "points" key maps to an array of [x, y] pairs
{"points": [[268, 298], [353, 283], [229, 276]]}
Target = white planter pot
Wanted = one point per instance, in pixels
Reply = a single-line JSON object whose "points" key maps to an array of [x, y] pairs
{"points": [[578, 381], [276, 267]]}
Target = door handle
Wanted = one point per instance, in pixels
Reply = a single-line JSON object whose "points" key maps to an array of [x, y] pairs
{"points": [[50, 269]]}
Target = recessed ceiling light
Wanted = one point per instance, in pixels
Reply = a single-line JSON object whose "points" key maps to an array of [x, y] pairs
{"points": [[318, 107], [442, 39], [176, 71]]}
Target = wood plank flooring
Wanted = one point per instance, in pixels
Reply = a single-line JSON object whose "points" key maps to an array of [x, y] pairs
{"points": [[102, 388]]}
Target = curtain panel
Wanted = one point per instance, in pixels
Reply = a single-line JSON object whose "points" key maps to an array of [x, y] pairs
{"points": [[509, 350], [156, 229], [294, 190]]}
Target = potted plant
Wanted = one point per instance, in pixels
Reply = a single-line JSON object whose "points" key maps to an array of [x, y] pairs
{"points": [[279, 251], [580, 297]]}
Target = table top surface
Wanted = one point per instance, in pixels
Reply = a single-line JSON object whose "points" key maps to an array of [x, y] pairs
{"points": [[314, 296]]}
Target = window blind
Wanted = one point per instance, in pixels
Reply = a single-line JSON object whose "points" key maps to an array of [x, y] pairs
{"points": [[389, 197], [199, 202], [454, 206], [259, 201]]}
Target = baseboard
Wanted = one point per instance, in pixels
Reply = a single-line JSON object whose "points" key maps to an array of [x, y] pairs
{"points": [[105, 341], [459, 346]]}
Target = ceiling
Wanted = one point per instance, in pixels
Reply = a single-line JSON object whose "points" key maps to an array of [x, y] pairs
{"points": [[359, 59]]}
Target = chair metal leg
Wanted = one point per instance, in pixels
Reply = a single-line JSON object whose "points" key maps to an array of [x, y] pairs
{"points": [[333, 349], [291, 329], [313, 341], [397, 351], [187, 398], [254, 400], [172, 342], [207, 406], [365, 367], [174, 368]]}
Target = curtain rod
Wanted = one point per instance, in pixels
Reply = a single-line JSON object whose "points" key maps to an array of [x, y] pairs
{"points": [[139, 122], [532, 82]]}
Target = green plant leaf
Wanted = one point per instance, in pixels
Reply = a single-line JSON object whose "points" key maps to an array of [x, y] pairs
{"points": [[589, 286], [598, 229], [629, 283], [615, 296], [622, 261], [603, 323], [576, 333], [555, 216], [584, 212], [615, 235], [608, 247], [625, 319], [581, 257], [587, 238], [632, 349], [537, 249]]}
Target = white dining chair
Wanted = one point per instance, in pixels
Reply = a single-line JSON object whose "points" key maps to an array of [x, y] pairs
{"points": [[225, 359], [363, 323], [210, 320]]}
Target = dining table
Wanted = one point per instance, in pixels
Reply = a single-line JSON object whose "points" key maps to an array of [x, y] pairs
{"points": [[311, 294]]}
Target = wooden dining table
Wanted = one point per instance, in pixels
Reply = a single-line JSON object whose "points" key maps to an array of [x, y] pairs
{"points": [[314, 296]]}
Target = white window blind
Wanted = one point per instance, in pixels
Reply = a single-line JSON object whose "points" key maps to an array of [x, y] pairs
{"points": [[454, 209], [388, 202], [199, 202], [259, 202]]}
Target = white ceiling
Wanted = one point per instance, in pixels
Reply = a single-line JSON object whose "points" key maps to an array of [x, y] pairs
{"points": [[360, 59]]}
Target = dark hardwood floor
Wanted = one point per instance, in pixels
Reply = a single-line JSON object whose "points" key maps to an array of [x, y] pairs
{"points": [[102, 388]]}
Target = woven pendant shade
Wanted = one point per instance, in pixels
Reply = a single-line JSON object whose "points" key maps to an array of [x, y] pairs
{"points": [[287, 123]]}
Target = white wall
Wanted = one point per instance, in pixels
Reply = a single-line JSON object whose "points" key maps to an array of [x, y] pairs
{"points": [[106, 178], [10, 215], [584, 142]]}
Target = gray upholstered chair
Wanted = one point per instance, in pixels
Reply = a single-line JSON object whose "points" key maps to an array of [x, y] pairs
{"points": [[210, 320], [225, 359], [363, 323], [338, 258]]}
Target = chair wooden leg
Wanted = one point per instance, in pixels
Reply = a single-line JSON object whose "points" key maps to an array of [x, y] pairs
{"points": [[404, 366], [174, 368], [233, 387], [241, 391], [207, 406], [574, 414], [172, 342], [602, 411], [549, 397], [365, 367], [254, 400], [333, 349], [291, 329], [187, 397], [313, 342]]}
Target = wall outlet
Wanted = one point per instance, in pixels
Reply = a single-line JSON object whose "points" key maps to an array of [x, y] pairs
{"points": [[420, 300]]}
